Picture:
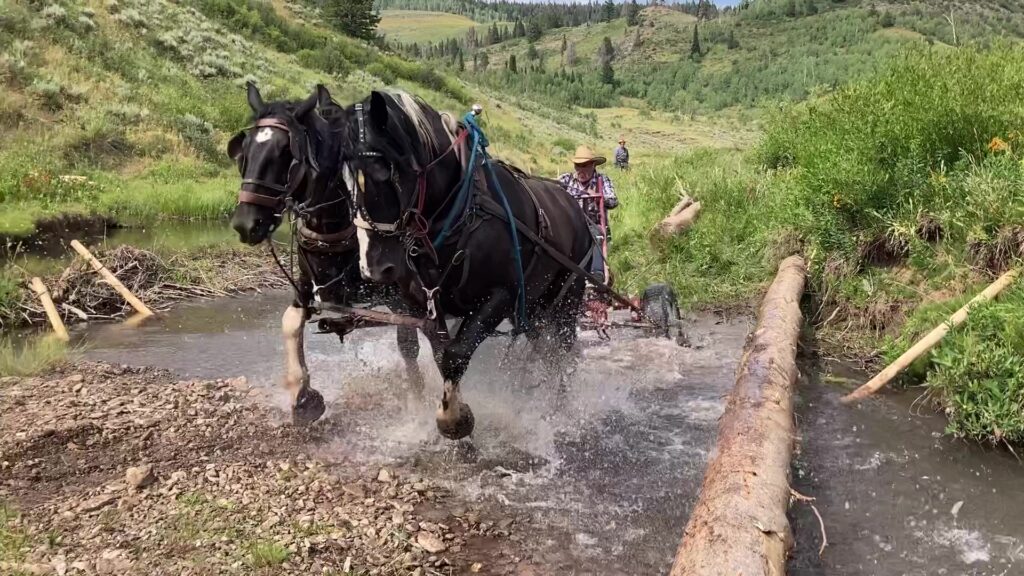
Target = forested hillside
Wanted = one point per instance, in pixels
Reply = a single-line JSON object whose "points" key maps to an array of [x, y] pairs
{"points": [[692, 59]]}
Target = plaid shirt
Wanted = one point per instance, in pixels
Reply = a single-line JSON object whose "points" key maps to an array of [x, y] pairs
{"points": [[578, 190]]}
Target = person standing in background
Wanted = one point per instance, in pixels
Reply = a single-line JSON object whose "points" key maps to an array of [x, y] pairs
{"points": [[622, 155]]}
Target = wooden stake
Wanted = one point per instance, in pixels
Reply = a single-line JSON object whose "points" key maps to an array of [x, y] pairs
{"points": [[929, 341], [739, 525], [51, 311], [111, 279]]}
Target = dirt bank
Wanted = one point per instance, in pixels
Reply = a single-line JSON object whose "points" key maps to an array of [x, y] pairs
{"points": [[107, 469]]}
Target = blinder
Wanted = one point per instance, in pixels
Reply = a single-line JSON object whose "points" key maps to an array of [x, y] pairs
{"points": [[362, 217]]}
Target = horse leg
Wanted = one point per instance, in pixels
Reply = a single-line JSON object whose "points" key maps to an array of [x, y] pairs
{"points": [[454, 418], [409, 346], [307, 403]]}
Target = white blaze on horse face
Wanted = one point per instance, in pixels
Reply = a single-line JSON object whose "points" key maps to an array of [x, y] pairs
{"points": [[263, 135]]}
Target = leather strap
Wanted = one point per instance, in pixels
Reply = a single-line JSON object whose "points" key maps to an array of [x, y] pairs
{"points": [[259, 199]]}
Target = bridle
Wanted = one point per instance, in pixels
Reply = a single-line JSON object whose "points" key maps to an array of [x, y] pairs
{"points": [[411, 222], [254, 191]]}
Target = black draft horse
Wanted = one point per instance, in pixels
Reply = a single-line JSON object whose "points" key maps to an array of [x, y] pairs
{"points": [[280, 161], [406, 163]]}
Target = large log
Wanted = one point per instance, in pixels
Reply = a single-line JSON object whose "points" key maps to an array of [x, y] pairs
{"points": [[739, 525], [680, 221]]}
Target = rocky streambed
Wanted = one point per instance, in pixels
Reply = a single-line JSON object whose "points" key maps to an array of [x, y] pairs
{"points": [[106, 469]]}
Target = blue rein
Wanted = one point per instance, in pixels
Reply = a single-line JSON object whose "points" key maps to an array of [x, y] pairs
{"points": [[478, 148]]}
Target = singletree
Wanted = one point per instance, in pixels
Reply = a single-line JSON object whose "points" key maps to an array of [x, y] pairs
{"points": [[570, 55], [533, 31], [695, 51], [512, 64], [531, 53], [605, 55]]}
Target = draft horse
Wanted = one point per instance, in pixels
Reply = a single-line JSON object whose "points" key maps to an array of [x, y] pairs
{"points": [[283, 167], [458, 237]]}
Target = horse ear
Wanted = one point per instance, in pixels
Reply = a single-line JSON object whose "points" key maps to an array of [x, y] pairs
{"points": [[378, 110], [306, 106], [235, 146], [323, 96], [255, 99]]}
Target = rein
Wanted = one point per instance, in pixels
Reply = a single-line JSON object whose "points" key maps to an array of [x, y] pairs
{"points": [[416, 227]]}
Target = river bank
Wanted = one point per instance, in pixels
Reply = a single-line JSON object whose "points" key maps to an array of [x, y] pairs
{"points": [[110, 469]]}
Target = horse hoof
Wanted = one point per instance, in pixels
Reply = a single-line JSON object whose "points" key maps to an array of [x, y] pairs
{"points": [[308, 408], [457, 428]]}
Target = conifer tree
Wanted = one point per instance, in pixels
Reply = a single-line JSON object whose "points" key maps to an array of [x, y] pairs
{"points": [[356, 18]]}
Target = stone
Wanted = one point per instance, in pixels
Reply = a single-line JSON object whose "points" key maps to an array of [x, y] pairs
{"points": [[95, 503], [140, 476], [430, 543], [384, 475]]}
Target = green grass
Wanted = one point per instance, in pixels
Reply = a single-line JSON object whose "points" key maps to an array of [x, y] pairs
{"points": [[267, 554], [422, 26], [147, 201], [32, 356], [12, 539], [977, 372]]}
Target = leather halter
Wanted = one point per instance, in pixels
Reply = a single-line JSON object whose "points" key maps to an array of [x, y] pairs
{"points": [[250, 190]]}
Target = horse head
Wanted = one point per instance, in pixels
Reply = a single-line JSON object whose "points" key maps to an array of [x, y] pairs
{"points": [[391, 142], [272, 157]]}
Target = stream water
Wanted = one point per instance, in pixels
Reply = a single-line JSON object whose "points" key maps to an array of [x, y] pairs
{"points": [[605, 472]]}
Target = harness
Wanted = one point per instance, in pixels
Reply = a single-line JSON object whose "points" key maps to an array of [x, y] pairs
{"points": [[254, 191], [415, 226]]}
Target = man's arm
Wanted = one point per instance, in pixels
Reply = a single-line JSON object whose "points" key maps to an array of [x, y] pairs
{"points": [[610, 200]]}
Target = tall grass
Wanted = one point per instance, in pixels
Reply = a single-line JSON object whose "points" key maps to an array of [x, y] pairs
{"points": [[31, 356], [906, 188], [149, 200], [727, 255]]}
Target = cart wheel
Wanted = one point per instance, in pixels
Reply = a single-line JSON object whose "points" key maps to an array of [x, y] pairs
{"points": [[660, 306]]}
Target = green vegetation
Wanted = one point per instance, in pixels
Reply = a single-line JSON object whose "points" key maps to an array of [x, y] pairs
{"points": [[903, 190], [124, 109], [31, 356], [267, 554], [422, 26]]}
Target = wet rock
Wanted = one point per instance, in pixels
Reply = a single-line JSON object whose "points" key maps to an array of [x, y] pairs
{"points": [[140, 476]]}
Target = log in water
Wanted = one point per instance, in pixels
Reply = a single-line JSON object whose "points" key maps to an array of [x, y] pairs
{"points": [[739, 524]]}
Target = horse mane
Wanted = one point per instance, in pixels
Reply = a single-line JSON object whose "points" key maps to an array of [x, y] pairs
{"points": [[428, 123]]}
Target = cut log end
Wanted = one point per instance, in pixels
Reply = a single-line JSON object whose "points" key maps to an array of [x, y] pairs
{"points": [[681, 221]]}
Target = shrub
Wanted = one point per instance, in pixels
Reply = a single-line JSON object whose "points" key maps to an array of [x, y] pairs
{"points": [[200, 136], [54, 14], [49, 93]]}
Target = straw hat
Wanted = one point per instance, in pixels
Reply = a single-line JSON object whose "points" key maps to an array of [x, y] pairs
{"points": [[584, 155]]}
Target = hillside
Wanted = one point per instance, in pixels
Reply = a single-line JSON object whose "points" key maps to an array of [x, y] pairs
{"points": [[122, 107], [774, 50], [422, 26]]}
